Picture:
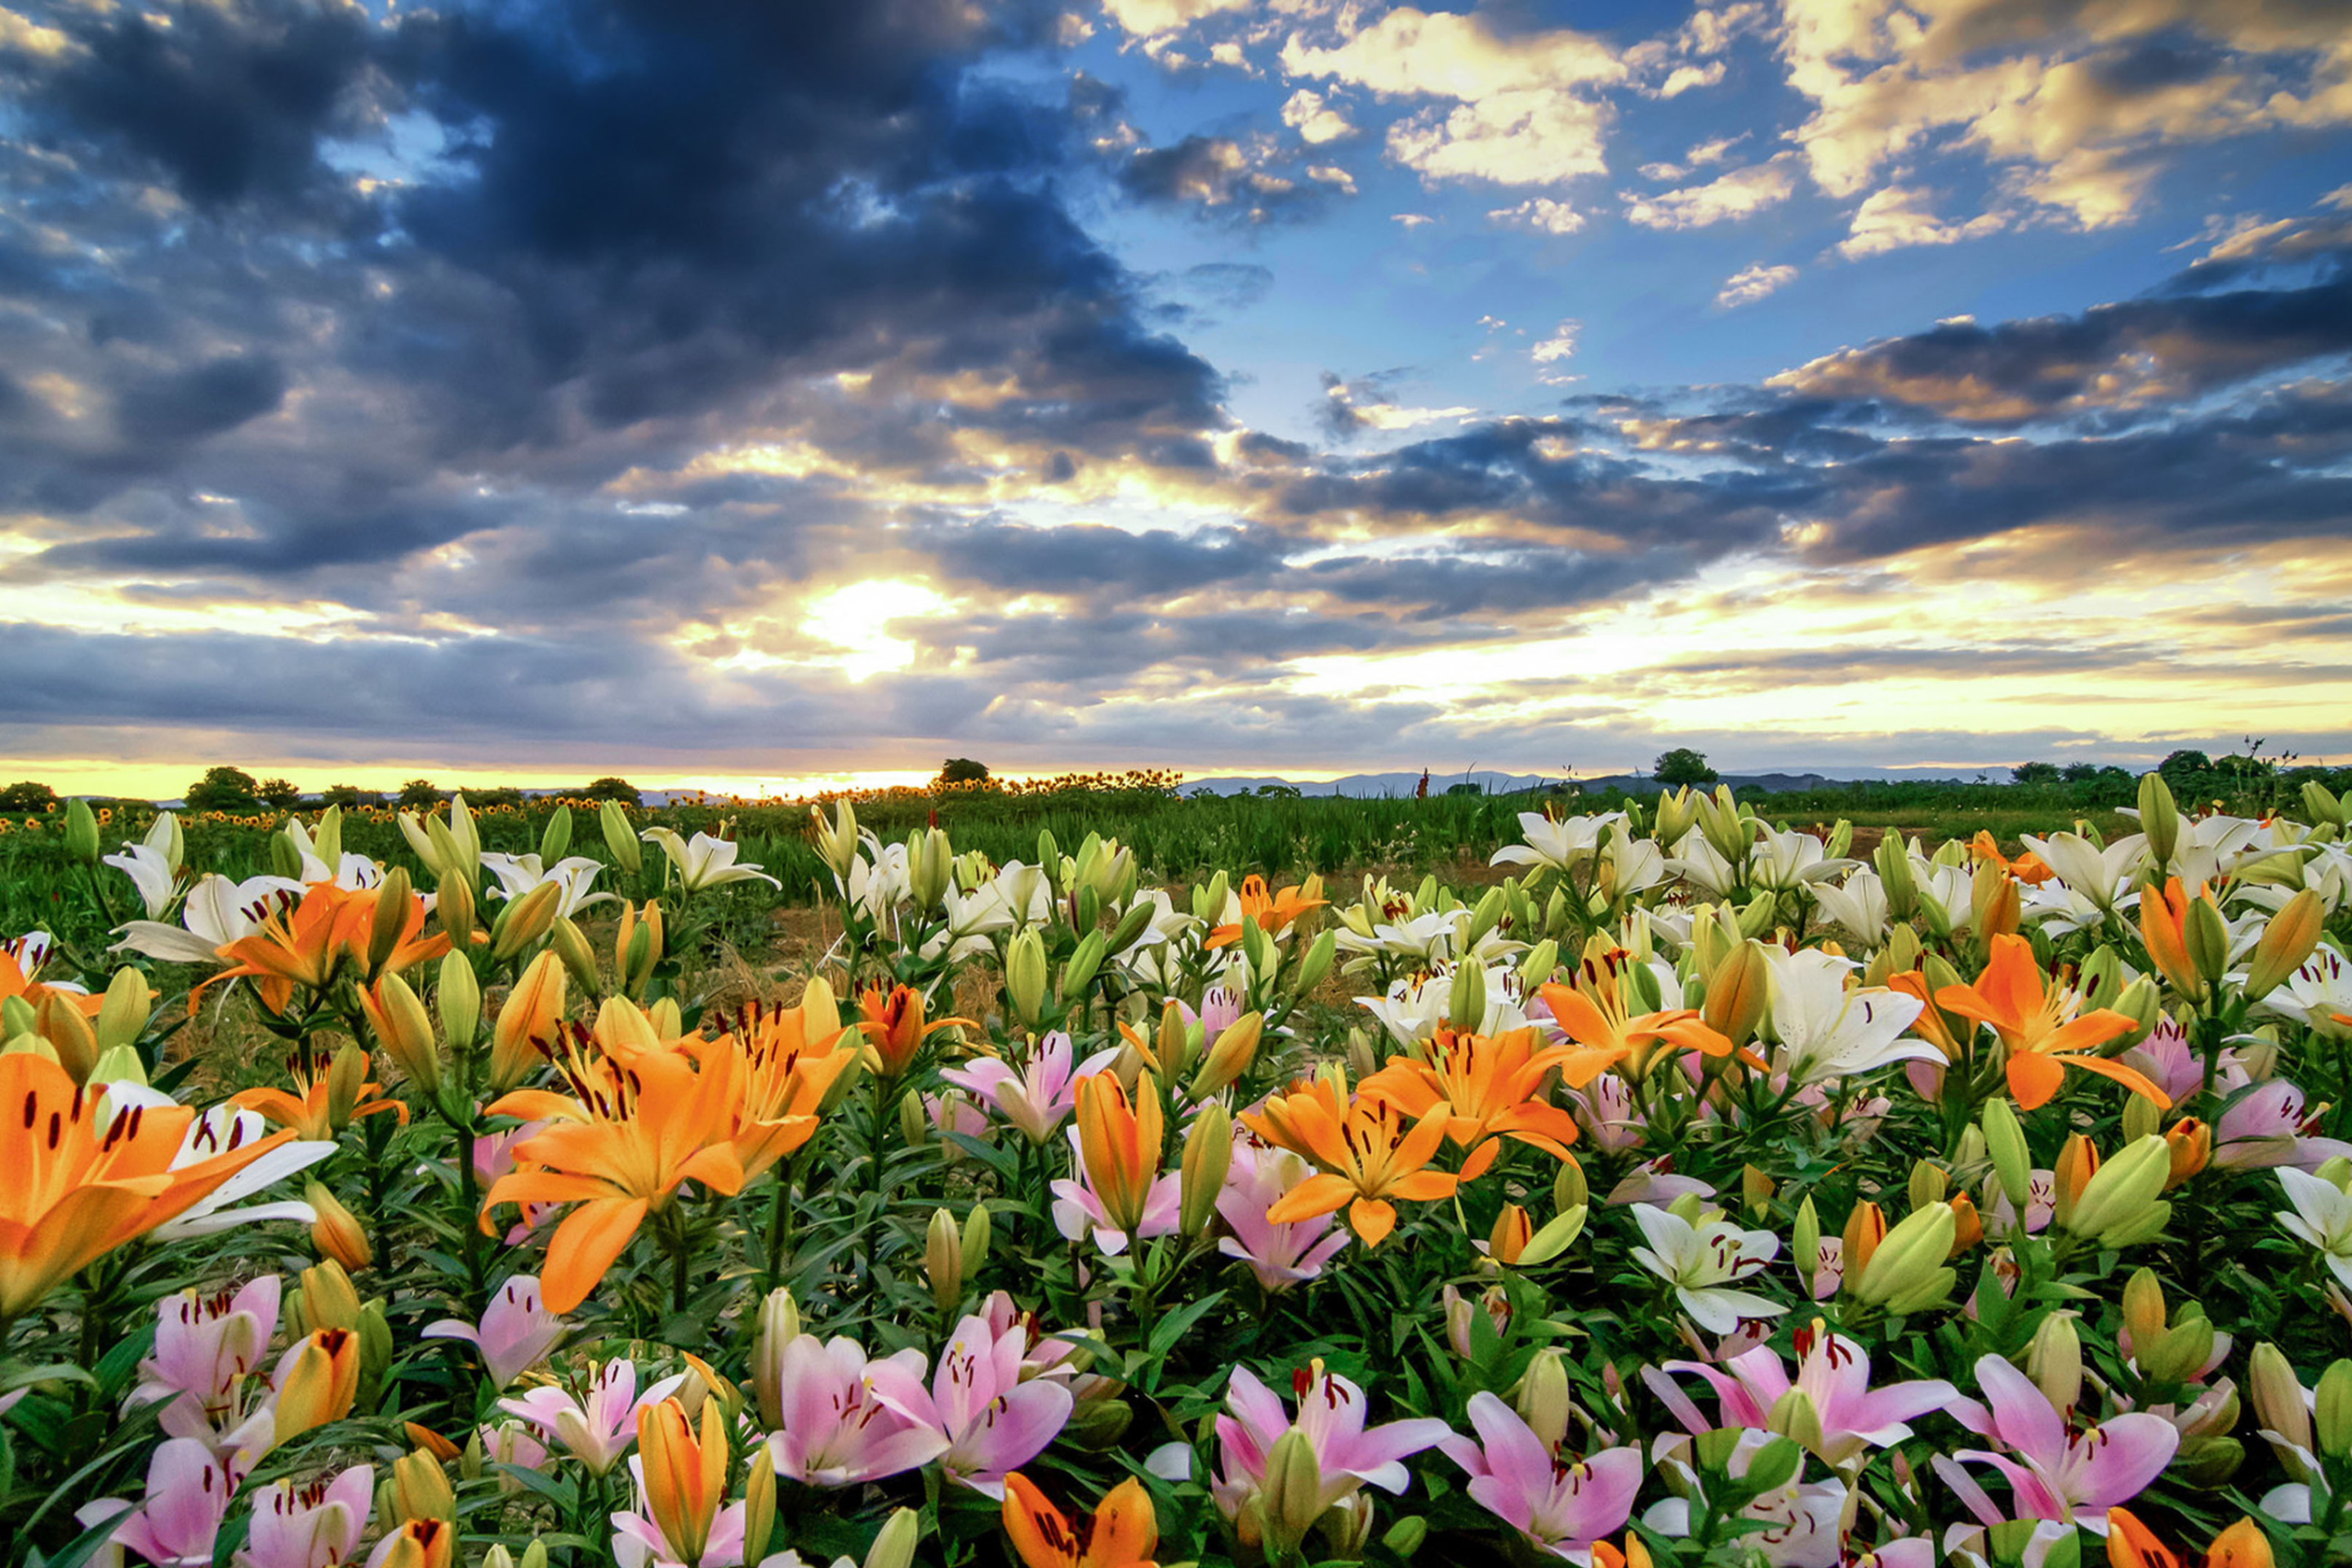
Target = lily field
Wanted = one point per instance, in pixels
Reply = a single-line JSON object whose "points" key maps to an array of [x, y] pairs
{"points": [[1104, 1178]]}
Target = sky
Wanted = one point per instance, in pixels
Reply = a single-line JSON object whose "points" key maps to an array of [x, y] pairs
{"points": [[757, 394]]}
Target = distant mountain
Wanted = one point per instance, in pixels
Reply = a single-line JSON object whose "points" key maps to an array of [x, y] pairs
{"points": [[1490, 782]]}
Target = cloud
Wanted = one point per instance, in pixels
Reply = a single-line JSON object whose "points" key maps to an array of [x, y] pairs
{"points": [[1895, 217], [1743, 193], [1349, 408], [1523, 109], [1231, 284], [1542, 214], [1559, 346], [1149, 18], [1752, 283], [1316, 120], [1219, 176]]}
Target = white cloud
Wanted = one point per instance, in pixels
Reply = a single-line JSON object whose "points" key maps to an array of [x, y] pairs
{"points": [[1410, 220], [1519, 114], [1543, 213], [1145, 19], [1314, 121], [1897, 218], [1739, 194], [1333, 175], [1750, 284], [1682, 79], [1560, 345]]}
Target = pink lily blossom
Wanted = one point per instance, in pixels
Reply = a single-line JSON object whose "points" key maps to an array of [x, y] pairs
{"points": [[188, 1493], [517, 1331], [1832, 1373], [1041, 1095], [2267, 1128], [1280, 1256], [838, 1430], [599, 1429], [1331, 1412], [1605, 1109], [205, 1347], [1800, 1520], [2060, 1472], [1078, 1210], [1559, 1503], [316, 1525], [994, 1421]]}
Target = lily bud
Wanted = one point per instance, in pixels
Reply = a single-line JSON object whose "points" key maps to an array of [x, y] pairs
{"points": [[2141, 1117], [1554, 1238], [1084, 961], [1927, 1184], [81, 831], [2055, 1361], [2159, 818], [2242, 1545], [337, 1232], [1545, 1400], [2077, 1162], [61, 1023], [1293, 1494], [402, 1026], [420, 1543], [2120, 1205], [570, 945], [943, 1259], [1510, 1235], [1755, 1190], [524, 921], [2331, 1415], [2178, 1354], [1795, 1416], [1865, 1229], [1405, 1536], [1466, 1004], [620, 837], [1568, 1188], [531, 1013], [895, 1546], [2286, 942], [1230, 1057], [1993, 898], [1906, 1271], [1892, 859], [322, 1380], [2278, 1398], [2322, 805], [1208, 1155], [1805, 1243], [454, 907], [1736, 992], [2191, 1142], [327, 1299], [1024, 977], [122, 1017], [419, 1488], [779, 1326], [2005, 1142]]}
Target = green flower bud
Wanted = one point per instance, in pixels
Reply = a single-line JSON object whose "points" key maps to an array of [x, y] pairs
{"points": [[1910, 1262], [459, 1002], [1465, 1006], [2331, 1416], [81, 831], [1024, 977], [894, 1547], [2118, 1205], [621, 838], [2159, 818], [2054, 1361], [122, 1017]]}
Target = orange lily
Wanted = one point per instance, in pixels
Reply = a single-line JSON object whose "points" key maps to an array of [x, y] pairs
{"points": [[306, 945], [2029, 867], [1931, 1024], [2163, 928], [328, 1095], [1593, 1012], [1122, 1533], [1273, 913], [75, 1186], [1490, 1082], [1367, 1152], [2035, 1022], [792, 1057], [15, 982], [622, 1142], [1120, 1142], [894, 1025], [685, 1473], [2131, 1544]]}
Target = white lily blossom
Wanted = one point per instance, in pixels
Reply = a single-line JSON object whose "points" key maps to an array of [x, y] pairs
{"points": [[707, 862], [1563, 844], [2318, 992], [2103, 877], [151, 872], [352, 872], [1785, 861], [1697, 860], [1828, 1031], [217, 912], [971, 919], [521, 875], [1858, 904], [1701, 1261], [2322, 1217], [1416, 1005]]}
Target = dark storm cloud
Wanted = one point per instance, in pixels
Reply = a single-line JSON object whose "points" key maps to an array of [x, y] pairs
{"points": [[1090, 558], [204, 400], [1218, 176]]}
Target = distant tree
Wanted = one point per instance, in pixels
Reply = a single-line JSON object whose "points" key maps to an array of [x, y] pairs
{"points": [[348, 795], [1682, 766], [1465, 787], [1280, 791], [2184, 768], [27, 797], [224, 789], [420, 793], [2035, 773], [283, 794], [962, 770], [612, 788], [502, 795], [2081, 773]]}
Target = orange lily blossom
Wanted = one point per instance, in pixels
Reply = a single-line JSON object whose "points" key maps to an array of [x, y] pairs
{"points": [[1592, 1011], [1490, 1083], [2131, 1544], [2163, 922], [1120, 1142], [622, 1143], [75, 1184], [15, 982], [792, 1058], [2034, 1018], [1273, 913], [685, 1473], [1367, 1152], [1122, 1533], [2028, 868], [306, 945], [894, 1025], [1931, 1024], [325, 1101]]}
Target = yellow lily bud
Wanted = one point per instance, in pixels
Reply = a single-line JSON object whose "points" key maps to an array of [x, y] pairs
{"points": [[337, 1233], [895, 1546], [1968, 1225], [943, 1260], [2289, 938], [780, 1325], [2191, 1142], [2055, 1361], [570, 944], [2278, 1398], [531, 1011], [2331, 1410], [1235, 1048], [621, 838], [685, 1473], [419, 1544], [454, 907], [1511, 1233], [122, 1017], [524, 921], [405, 1030], [420, 1488], [759, 1503], [1024, 977], [327, 1299], [1755, 1190], [2120, 1205], [1865, 1229], [1545, 1400], [69, 1034], [1905, 1271], [1736, 992], [320, 1384], [2078, 1161]]}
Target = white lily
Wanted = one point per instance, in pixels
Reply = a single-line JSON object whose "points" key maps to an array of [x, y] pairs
{"points": [[352, 872], [971, 917], [151, 872], [2322, 1217], [1698, 861], [2317, 993], [1027, 896], [1946, 895], [521, 875], [218, 912], [707, 862], [1699, 1261], [1859, 905], [1563, 844], [1636, 865], [1828, 1031], [1783, 862], [1417, 1005], [2101, 876]]}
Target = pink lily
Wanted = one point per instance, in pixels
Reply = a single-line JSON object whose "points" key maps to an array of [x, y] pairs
{"points": [[1332, 1413], [598, 1430], [1280, 1256], [1606, 1110], [1040, 1096], [1559, 1503], [317, 1525], [2041, 1204], [1078, 1210], [1832, 1374], [2267, 1128], [638, 1541], [838, 1430], [993, 1421], [188, 1493], [2060, 1472], [2166, 1061], [205, 1347], [517, 1331], [1800, 1520]]}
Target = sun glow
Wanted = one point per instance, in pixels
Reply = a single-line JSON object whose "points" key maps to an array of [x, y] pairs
{"points": [[856, 618]]}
